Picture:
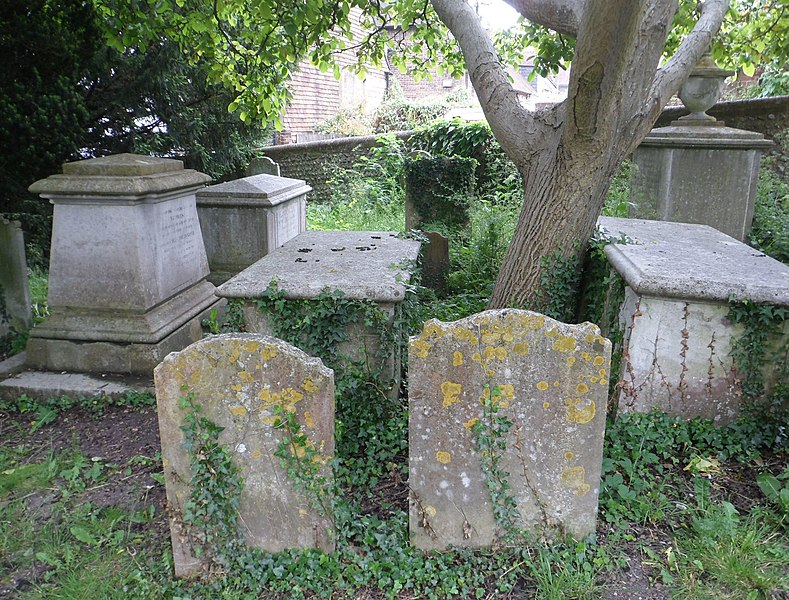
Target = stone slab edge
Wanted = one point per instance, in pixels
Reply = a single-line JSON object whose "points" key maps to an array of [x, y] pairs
{"points": [[41, 385], [683, 284]]}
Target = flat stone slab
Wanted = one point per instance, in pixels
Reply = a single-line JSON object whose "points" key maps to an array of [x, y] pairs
{"points": [[256, 191], [549, 380], [41, 385], [693, 262], [363, 265], [245, 383]]}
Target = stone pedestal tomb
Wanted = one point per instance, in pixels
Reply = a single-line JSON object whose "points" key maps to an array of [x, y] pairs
{"points": [[127, 279], [245, 219], [677, 337], [698, 171]]}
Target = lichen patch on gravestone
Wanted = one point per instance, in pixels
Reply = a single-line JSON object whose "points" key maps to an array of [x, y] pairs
{"points": [[506, 425]]}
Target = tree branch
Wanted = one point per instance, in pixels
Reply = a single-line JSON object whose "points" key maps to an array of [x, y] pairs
{"points": [[563, 16], [511, 123]]}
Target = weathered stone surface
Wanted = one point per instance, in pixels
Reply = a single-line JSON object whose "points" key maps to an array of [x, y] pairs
{"points": [[360, 265], [15, 312], [698, 174], [677, 337], [679, 260], [550, 380], [435, 261], [245, 219], [363, 265], [238, 379], [127, 265]]}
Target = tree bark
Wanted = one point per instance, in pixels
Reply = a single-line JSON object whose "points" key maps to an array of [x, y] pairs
{"points": [[567, 155]]}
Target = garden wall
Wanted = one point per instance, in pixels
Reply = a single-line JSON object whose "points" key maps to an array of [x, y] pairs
{"points": [[316, 162]]}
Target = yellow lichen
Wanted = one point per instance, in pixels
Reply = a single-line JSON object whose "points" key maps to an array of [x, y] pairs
{"points": [[570, 361], [546, 404], [498, 353], [419, 348], [551, 332], [574, 478], [308, 419], [256, 454], [598, 360], [432, 329], [569, 455], [476, 357], [521, 348], [451, 392], [579, 414], [457, 359], [269, 351], [581, 388], [245, 377], [586, 356], [470, 423], [465, 335], [564, 344], [543, 385], [309, 386], [238, 411], [443, 457]]}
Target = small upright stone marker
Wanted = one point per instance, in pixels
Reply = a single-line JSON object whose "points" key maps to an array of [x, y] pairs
{"points": [[15, 310], [238, 380], [550, 380]]}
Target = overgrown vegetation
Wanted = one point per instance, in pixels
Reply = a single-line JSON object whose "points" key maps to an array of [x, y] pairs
{"points": [[700, 509]]}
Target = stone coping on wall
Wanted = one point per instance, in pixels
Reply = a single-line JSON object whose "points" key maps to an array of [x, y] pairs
{"points": [[257, 190], [362, 265], [693, 262]]}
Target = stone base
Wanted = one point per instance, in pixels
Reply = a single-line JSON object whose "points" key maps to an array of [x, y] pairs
{"points": [[125, 326], [42, 385], [111, 357]]}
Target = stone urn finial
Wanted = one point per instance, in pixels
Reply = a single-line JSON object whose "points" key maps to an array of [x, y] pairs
{"points": [[702, 89]]}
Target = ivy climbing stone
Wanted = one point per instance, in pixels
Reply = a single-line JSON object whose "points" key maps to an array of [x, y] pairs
{"points": [[247, 432], [506, 424]]}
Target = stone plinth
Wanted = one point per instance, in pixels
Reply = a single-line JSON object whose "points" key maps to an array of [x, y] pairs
{"points": [[245, 219], [360, 265], [549, 381], [15, 311], [702, 173], [677, 338], [245, 384], [127, 278]]}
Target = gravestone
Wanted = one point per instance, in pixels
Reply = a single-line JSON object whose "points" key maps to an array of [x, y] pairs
{"points": [[263, 165], [435, 261], [549, 380], [438, 191], [239, 380], [245, 219], [15, 311], [676, 333], [127, 277]]}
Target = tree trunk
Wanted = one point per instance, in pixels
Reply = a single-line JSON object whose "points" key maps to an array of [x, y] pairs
{"points": [[562, 202]]}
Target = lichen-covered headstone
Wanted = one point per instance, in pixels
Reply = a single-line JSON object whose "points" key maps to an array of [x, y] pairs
{"points": [[467, 381], [243, 382]]}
